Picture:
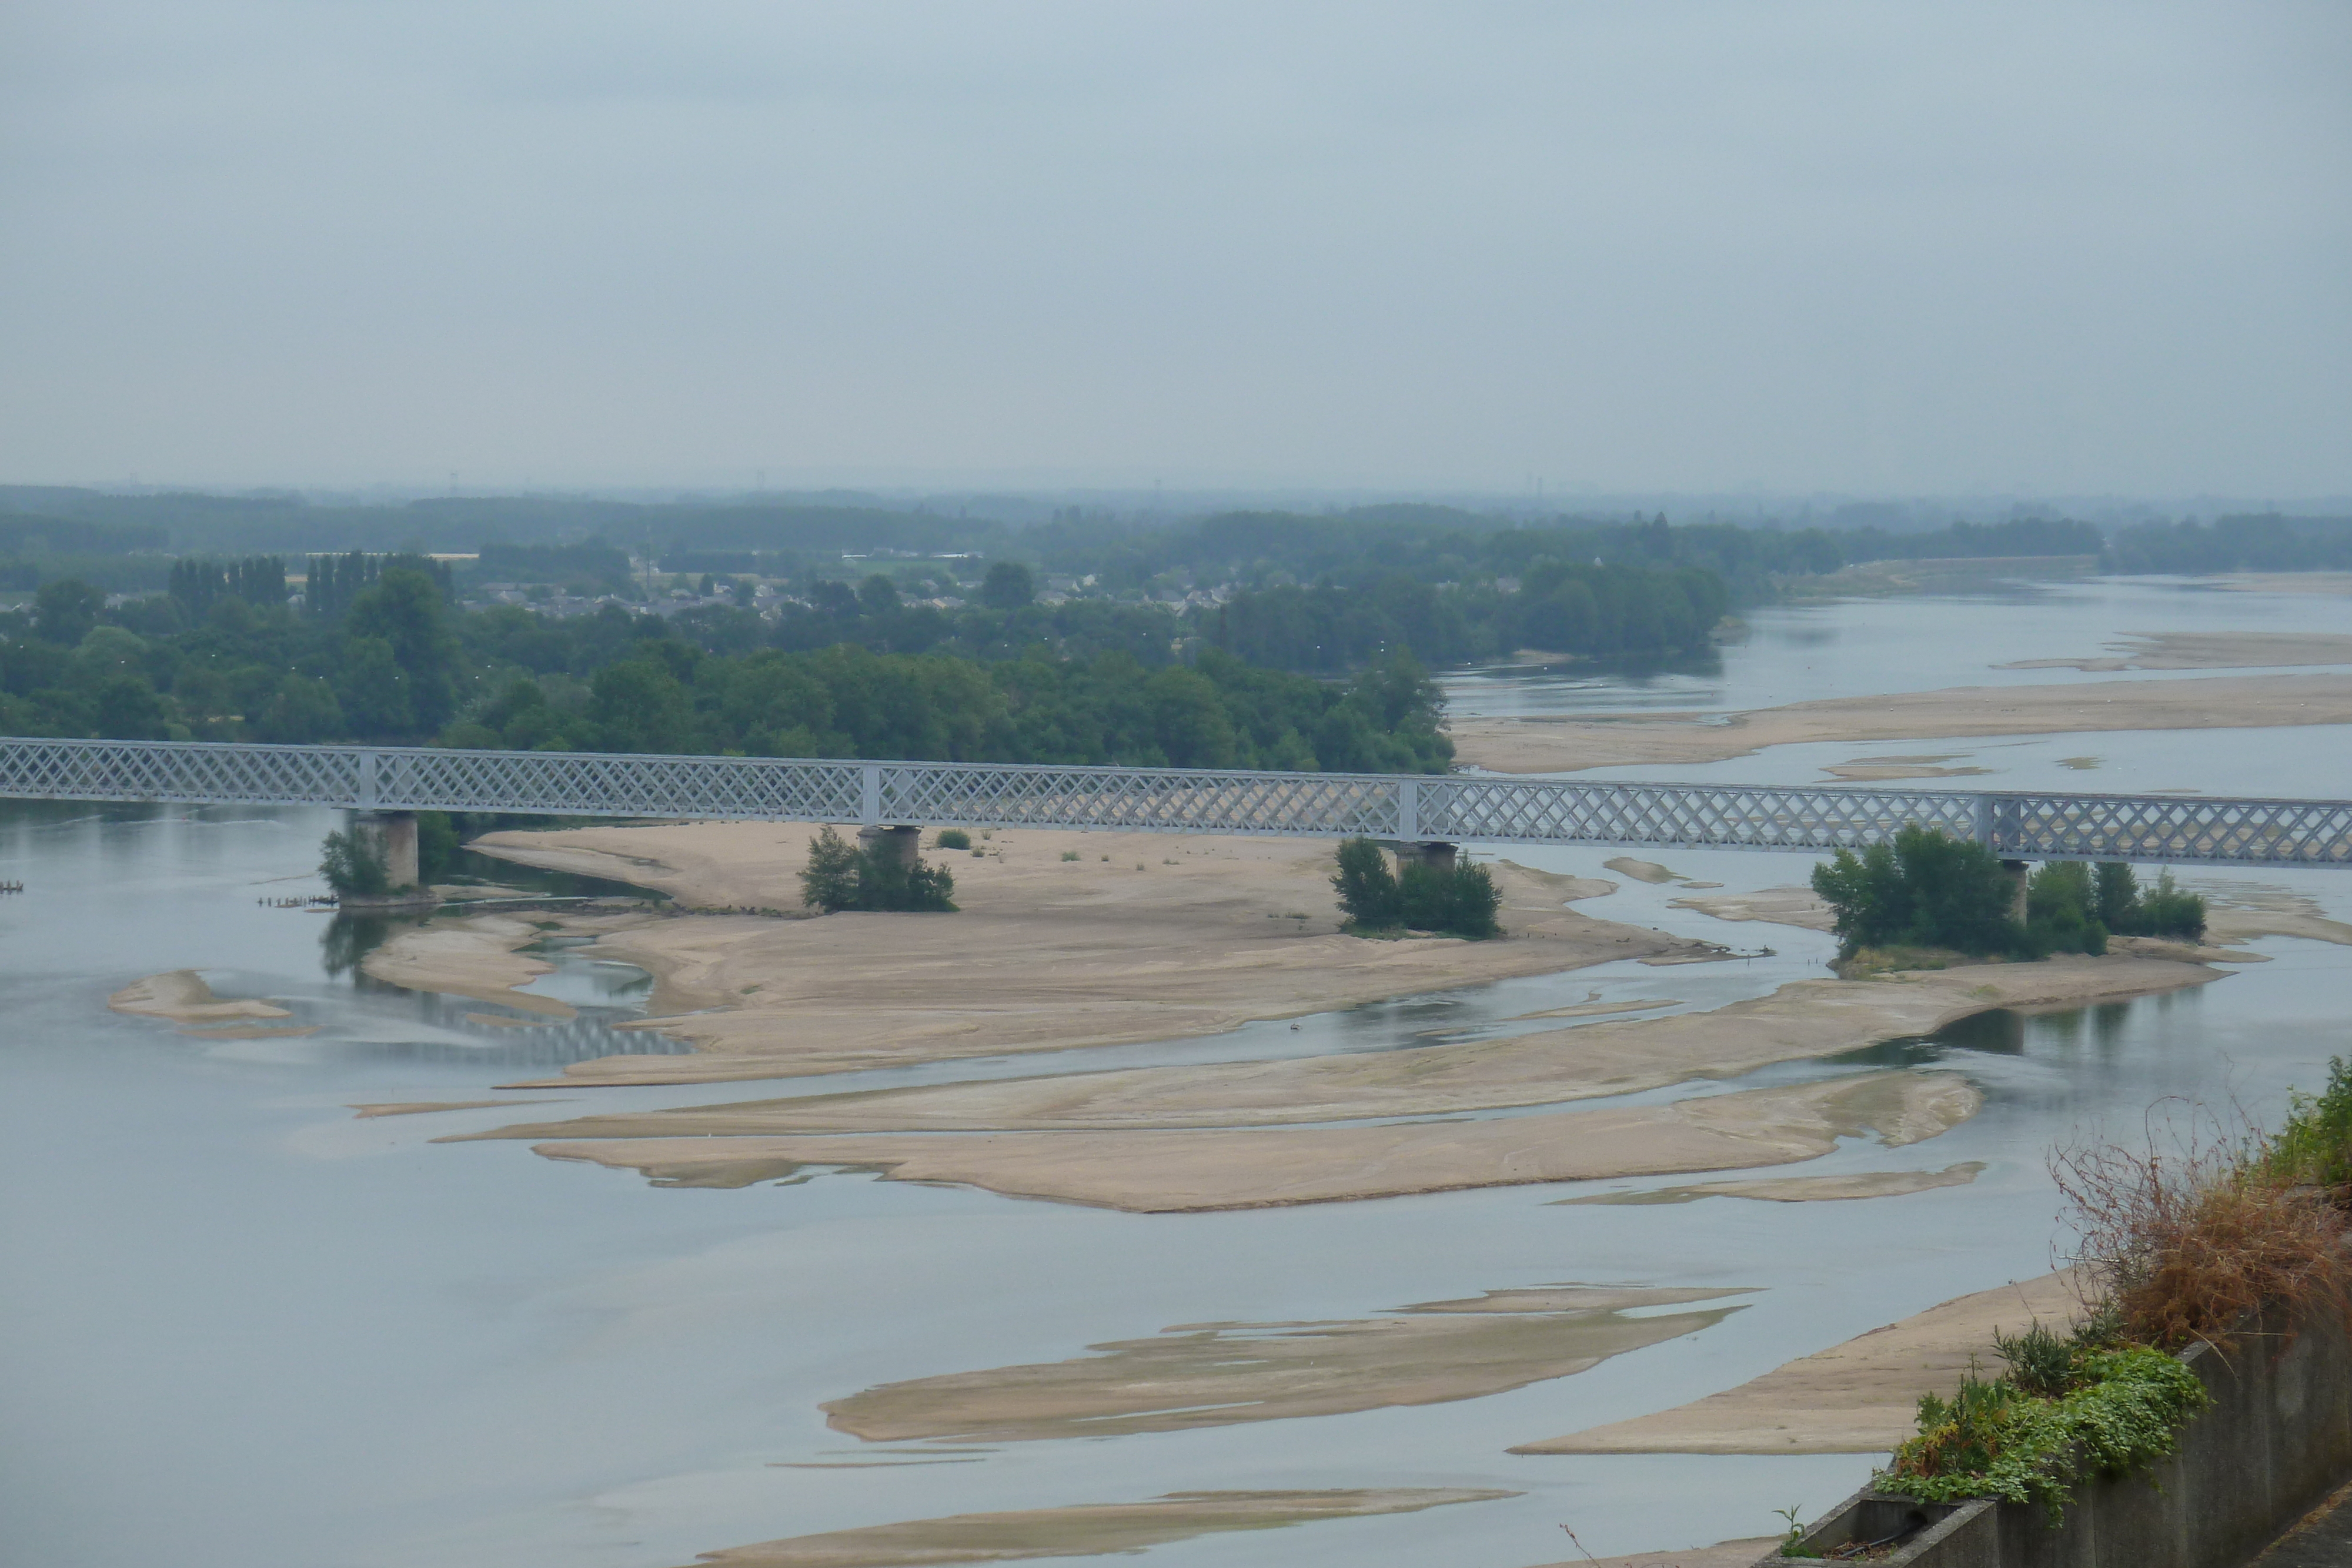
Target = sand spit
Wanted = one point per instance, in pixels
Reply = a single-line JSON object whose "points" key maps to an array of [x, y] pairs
{"points": [[1213, 933], [1085, 1531], [1875, 769], [182, 997], [1180, 1172], [1722, 1554], [1570, 742], [2330, 583], [1803, 1018], [1801, 1189], [2239, 912], [2208, 650], [1780, 905], [1218, 1375], [421, 1107], [469, 956], [1641, 871], [1859, 1397]]}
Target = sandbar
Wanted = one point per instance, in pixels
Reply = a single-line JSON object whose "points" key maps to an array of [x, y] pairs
{"points": [[1801, 1019], [1218, 1375], [421, 1107], [1089, 1530], [1799, 1189], [1780, 905], [1641, 871], [1172, 1172], [1881, 770], [1859, 1397], [469, 956], [2208, 650], [1569, 742], [2239, 912], [1215, 931], [181, 997]]}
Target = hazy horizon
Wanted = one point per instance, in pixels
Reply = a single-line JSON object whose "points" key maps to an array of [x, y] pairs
{"points": [[1711, 251]]}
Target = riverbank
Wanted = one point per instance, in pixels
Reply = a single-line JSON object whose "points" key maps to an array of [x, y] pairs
{"points": [[1570, 742]]}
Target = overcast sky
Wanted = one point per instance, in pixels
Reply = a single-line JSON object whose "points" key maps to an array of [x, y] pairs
{"points": [[1870, 248]]}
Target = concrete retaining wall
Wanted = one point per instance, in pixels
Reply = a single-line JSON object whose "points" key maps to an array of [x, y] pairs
{"points": [[2277, 1439]]}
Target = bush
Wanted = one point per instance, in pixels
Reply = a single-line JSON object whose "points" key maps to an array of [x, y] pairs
{"points": [[2315, 1147], [841, 876], [354, 865], [1459, 902], [2183, 1245], [952, 839], [1924, 890], [2168, 911], [1367, 888], [2124, 1411]]}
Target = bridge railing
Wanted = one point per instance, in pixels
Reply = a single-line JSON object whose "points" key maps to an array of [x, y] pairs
{"points": [[2025, 826]]}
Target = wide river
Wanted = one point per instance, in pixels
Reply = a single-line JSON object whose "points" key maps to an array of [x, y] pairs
{"points": [[247, 1328]]}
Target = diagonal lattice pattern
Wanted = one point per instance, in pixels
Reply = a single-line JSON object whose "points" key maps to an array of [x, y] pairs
{"points": [[1157, 799]]}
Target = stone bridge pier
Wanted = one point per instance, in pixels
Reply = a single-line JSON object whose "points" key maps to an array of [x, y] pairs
{"points": [[900, 843], [393, 835], [1436, 854]]}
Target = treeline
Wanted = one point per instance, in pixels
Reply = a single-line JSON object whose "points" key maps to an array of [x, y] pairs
{"points": [[1558, 606], [2264, 543], [399, 662], [845, 700]]}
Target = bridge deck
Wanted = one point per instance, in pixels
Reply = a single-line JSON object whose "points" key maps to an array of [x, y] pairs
{"points": [[2020, 825]]}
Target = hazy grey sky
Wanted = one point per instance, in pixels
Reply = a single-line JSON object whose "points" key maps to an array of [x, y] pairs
{"points": [[1874, 247]]}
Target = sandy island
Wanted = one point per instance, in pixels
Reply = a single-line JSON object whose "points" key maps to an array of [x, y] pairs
{"points": [[467, 956], [1048, 952], [1216, 1375], [1085, 1531], [1570, 742], [2208, 650], [1803, 1018], [1801, 1189], [182, 997], [1859, 1397], [1164, 1172]]}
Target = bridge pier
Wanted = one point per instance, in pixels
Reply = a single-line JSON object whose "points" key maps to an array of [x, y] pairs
{"points": [[2018, 872], [1436, 854], [902, 844], [393, 835]]}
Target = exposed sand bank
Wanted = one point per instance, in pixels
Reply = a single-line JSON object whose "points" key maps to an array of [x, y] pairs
{"points": [[182, 997], [2330, 583], [1166, 1172], [1569, 742], [1215, 933], [1801, 1189], [1650, 871], [1859, 1397], [1085, 1531], [2206, 651], [1217, 1374], [421, 1107], [467, 956], [2239, 912], [1780, 905], [1878, 770], [1803, 1018]]}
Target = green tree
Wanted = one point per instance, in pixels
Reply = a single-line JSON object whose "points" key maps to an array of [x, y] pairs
{"points": [[1368, 890], [1923, 890], [405, 610], [302, 708], [64, 611], [126, 708], [373, 692], [1008, 586], [354, 865]]}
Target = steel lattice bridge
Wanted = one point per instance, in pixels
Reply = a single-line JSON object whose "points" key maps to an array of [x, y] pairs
{"points": [[1429, 808]]}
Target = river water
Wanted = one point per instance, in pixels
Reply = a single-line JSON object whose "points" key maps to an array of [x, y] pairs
{"points": [[247, 1328]]}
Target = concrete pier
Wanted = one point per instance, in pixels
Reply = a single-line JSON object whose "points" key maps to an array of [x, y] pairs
{"points": [[1435, 854], [902, 843], [393, 834]]}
